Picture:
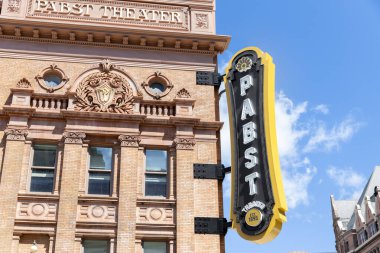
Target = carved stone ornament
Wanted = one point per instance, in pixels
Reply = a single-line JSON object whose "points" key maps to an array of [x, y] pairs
{"points": [[183, 93], [104, 92], [184, 143], [16, 134], [74, 137], [129, 140], [14, 6], [23, 83], [201, 20]]}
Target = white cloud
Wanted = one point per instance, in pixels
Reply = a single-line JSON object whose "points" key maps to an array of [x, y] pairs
{"points": [[322, 108], [350, 183], [294, 129], [329, 139]]}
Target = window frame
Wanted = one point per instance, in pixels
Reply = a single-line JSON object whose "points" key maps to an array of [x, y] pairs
{"points": [[110, 172], [32, 167], [166, 173]]}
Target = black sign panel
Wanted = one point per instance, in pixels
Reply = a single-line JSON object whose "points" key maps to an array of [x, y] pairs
{"points": [[253, 201]]}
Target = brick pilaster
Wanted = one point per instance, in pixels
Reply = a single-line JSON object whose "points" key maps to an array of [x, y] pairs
{"points": [[9, 185], [68, 200], [126, 230], [185, 194]]}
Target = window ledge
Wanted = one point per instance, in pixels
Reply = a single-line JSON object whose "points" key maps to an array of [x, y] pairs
{"points": [[38, 195], [105, 198], [150, 200]]}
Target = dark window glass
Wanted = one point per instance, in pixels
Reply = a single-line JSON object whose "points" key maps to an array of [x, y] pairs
{"points": [[44, 155], [156, 172], [157, 87], [52, 79], [154, 247], [155, 185], [43, 167], [42, 180], [99, 183], [156, 160], [100, 170], [96, 246]]}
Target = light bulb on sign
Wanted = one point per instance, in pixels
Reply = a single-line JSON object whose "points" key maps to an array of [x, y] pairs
{"points": [[34, 247]]}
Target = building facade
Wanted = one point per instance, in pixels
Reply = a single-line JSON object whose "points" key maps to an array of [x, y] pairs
{"points": [[356, 222], [101, 121]]}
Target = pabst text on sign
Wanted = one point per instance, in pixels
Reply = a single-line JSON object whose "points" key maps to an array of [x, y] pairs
{"points": [[258, 202]]}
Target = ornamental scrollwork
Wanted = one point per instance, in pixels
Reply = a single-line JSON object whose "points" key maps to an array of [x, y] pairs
{"points": [[129, 140], [74, 137], [16, 134], [184, 143], [104, 92]]}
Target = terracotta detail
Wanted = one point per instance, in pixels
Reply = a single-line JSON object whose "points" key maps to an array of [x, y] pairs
{"points": [[183, 93], [14, 6], [16, 134], [36, 211], [74, 137], [155, 215], [184, 143], [24, 83], [201, 21], [129, 140], [97, 213], [104, 92]]}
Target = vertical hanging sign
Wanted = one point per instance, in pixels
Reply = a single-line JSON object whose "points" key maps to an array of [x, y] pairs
{"points": [[258, 203]]}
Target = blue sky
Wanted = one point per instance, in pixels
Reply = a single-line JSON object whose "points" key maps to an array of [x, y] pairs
{"points": [[327, 83]]}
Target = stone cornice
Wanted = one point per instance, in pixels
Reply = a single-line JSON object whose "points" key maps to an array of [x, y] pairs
{"points": [[16, 134], [74, 137], [116, 37]]}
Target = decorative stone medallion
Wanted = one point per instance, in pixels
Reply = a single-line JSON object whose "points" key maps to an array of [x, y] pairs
{"points": [[14, 6], [201, 20], [104, 92]]}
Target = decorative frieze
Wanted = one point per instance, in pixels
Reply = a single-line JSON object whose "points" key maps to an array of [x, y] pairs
{"points": [[129, 140], [36, 211], [16, 134], [97, 213], [74, 137], [155, 215], [184, 143]]}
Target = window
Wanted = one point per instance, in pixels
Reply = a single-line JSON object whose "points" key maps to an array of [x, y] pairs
{"points": [[96, 246], [372, 229], [43, 167], [362, 237], [154, 247], [346, 246], [100, 170], [156, 173]]}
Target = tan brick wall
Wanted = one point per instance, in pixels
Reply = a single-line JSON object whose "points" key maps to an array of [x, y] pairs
{"points": [[127, 199], [185, 201], [68, 201], [9, 186]]}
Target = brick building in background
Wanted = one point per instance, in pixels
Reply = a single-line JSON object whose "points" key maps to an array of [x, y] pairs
{"points": [[356, 222], [101, 121]]}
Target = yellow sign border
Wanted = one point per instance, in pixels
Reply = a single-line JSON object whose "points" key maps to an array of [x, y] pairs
{"points": [[280, 206]]}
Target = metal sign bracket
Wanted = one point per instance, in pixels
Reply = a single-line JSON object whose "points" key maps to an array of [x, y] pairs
{"points": [[206, 225], [209, 78], [210, 171]]}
